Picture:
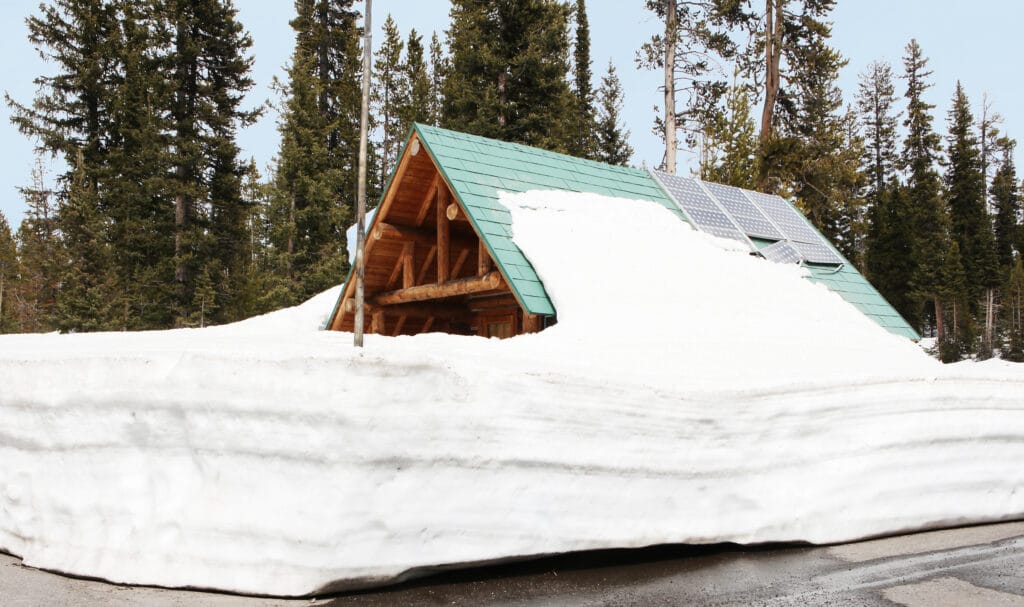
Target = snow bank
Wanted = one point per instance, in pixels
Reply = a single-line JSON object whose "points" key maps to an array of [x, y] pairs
{"points": [[689, 393]]}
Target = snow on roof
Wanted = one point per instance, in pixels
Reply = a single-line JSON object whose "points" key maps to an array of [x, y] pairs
{"points": [[728, 401], [639, 274]]}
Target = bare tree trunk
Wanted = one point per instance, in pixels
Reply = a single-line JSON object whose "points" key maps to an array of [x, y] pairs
{"points": [[361, 187], [940, 323], [990, 320], [956, 327], [671, 27], [772, 57]]}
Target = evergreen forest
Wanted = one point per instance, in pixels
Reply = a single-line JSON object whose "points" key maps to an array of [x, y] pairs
{"points": [[157, 221]]}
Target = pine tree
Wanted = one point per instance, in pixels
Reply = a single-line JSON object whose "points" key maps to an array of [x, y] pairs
{"points": [[988, 141], [119, 216], [8, 275], [89, 298], [889, 257], [417, 105], [876, 101], [729, 148], [39, 255], [70, 118], [929, 218], [208, 67], [438, 72], [1013, 313], [204, 300], [612, 137], [258, 275], [507, 74], [70, 111], [969, 219], [390, 91], [582, 138], [959, 338], [1006, 199], [964, 187], [313, 186]]}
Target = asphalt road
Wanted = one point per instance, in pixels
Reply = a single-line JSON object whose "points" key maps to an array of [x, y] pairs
{"points": [[976, 566]]}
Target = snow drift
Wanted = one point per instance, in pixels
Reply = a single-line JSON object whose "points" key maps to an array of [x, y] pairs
{"points": [[689, 393]]}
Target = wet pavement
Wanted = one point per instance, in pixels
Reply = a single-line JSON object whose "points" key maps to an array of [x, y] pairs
{"points": [[981, 565]]}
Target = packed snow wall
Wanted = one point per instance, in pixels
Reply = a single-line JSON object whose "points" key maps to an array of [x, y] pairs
{"points": [[735, 401]]}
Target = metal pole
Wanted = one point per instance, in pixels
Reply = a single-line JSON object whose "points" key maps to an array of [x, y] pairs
{"points": [[361, 193]]}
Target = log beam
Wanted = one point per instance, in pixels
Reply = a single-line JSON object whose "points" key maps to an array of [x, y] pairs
{"points": [[532, 323], [443, 239], [505, 301], [428, 199], [424, 309], [460, 261], [483, 258], [408, 269], [396, 271], [426, 238], [454, 213], [398, 326], [377, 322], [426, 264], [451, 288]]}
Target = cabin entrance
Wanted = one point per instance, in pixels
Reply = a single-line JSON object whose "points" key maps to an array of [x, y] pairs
{"points": [[427, 268]]}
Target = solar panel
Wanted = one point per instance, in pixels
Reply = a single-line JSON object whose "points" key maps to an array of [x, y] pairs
{"points": [[729, 212], [749, 218], [789, 220], [817, 252], [699, 207], [781, 252]]}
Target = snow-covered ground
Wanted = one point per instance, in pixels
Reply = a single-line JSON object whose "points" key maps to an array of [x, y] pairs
{"points": [[689, 393]]}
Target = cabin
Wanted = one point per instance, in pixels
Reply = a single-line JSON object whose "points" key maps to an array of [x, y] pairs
{"points": [[440, 255]]}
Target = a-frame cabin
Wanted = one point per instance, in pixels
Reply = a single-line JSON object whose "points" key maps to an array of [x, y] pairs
{"points": [[440, 254], [429, 266]]}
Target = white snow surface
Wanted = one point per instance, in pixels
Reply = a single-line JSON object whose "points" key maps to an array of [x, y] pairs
{"points": [[688, 394]]}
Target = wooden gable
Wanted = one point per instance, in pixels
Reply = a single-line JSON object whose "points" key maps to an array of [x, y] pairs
{"points": [[427, 268]]}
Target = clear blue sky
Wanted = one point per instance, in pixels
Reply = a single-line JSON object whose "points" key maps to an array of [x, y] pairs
{"points": [[978, 43]]}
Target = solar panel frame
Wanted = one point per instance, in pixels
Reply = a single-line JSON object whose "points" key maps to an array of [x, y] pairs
{"points": [[745, 213], [790, 221], [700, 208], [817, 252], [781, 252]]}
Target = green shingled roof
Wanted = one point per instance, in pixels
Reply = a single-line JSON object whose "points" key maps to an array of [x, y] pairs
{"points": [[478, 168]]}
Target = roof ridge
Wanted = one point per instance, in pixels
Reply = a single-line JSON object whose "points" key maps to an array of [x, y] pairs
{"points": [[529, 149]]}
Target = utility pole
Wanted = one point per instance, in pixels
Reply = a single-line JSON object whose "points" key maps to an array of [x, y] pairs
{"points": [[361, 192]]}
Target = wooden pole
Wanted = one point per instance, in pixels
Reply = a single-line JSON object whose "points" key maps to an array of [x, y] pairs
{"points": [[361, 189]]}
